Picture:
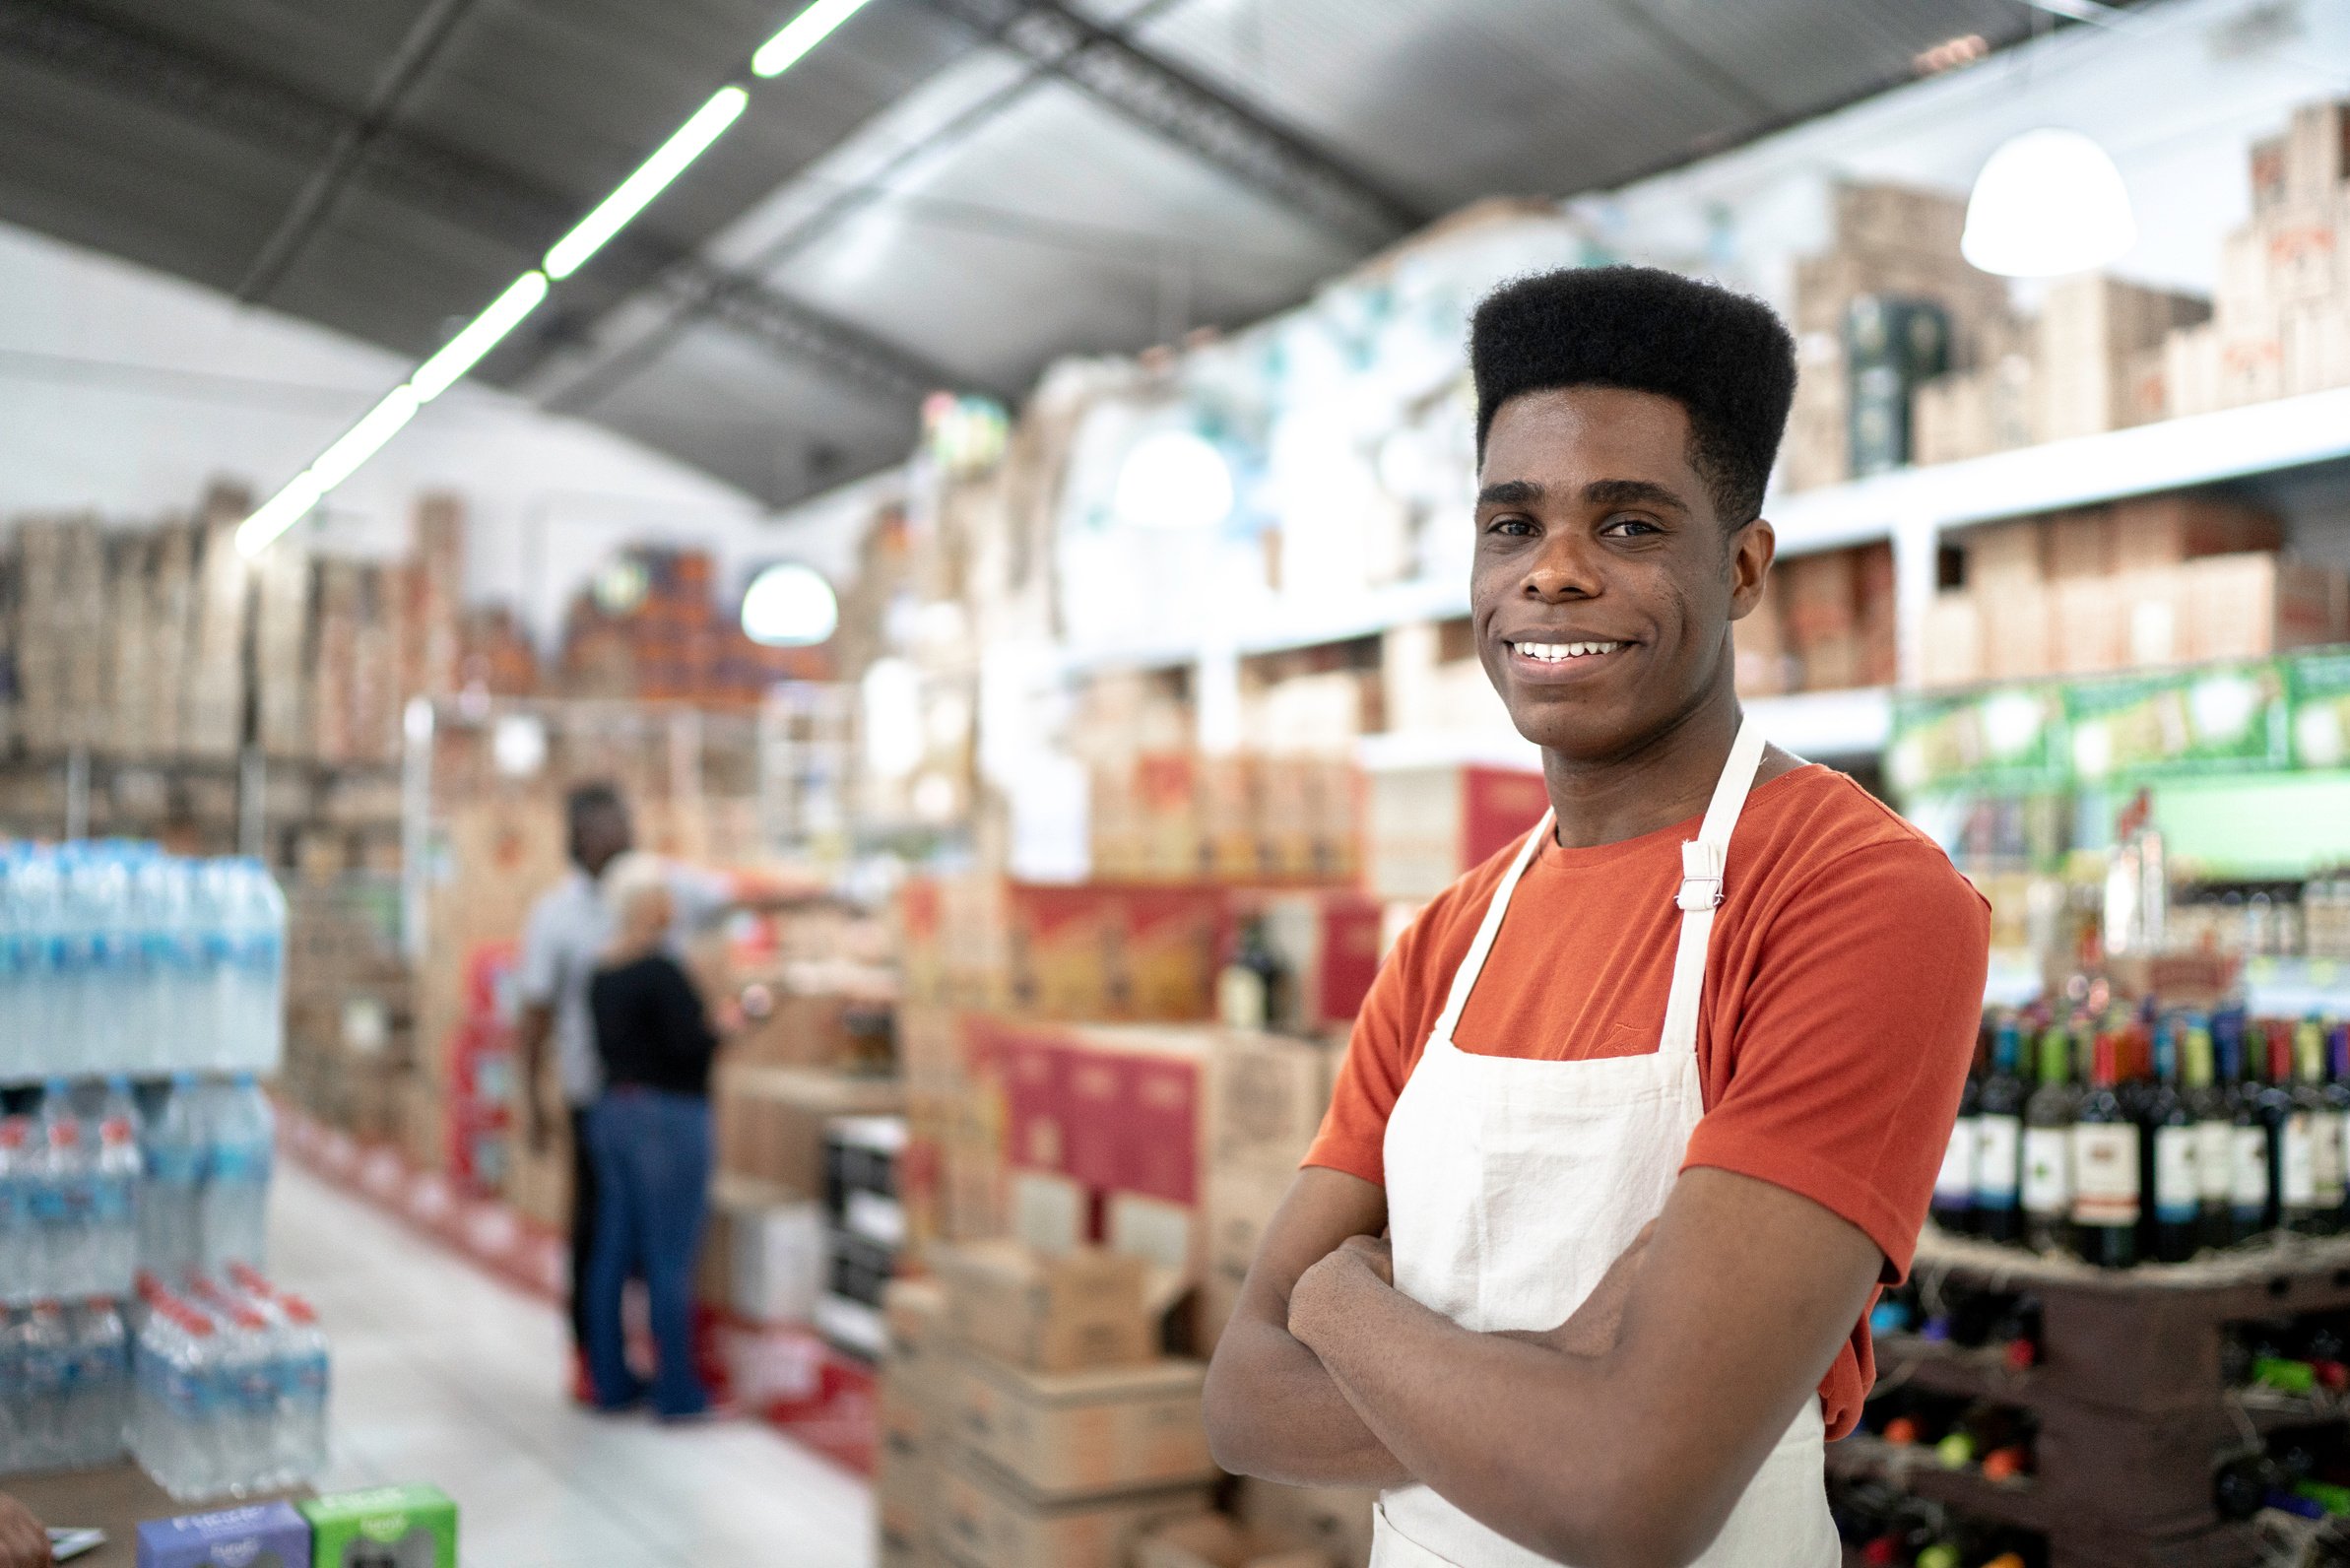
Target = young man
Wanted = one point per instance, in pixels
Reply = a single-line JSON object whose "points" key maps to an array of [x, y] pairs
{"points": [[1645, 1150]]}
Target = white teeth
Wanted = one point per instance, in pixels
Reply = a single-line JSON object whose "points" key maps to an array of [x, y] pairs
{"points": [[1554, 652]]}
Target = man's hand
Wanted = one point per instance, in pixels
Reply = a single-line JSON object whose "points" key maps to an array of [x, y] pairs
{"points": [[23, 1543]]}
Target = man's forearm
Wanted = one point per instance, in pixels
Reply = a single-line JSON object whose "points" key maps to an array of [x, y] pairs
{"points": [[1276, 1413], [1505, 1427]]}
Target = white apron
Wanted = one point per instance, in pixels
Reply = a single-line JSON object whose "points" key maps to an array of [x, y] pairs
{"points": [[1513, 1184]]}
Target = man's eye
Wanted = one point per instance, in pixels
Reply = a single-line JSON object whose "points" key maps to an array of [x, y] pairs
{"points": [[1630, 527], [1517, 527]]}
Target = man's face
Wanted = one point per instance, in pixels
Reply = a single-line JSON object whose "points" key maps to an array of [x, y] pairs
{"points": [[599, 836], [1605, 582]]}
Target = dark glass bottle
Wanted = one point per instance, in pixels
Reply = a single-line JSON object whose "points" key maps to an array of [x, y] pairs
{"points": [[2207, 1107], [2337, 1093], [2314, 1091], [2000, 1139], [2047, 1146], [2169, 1170], [2106, 1195], [2251, 1162], [2292, 1173], [1954, 1183]]}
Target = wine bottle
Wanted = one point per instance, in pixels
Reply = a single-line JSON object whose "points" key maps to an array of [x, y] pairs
{"points": [[2047, 1146], [2251, 1182], [2105, 1195], [2287, 1109], [2323, 1102], [2207, 1106], [1955, 1184], [1999, 1139], [2337, 1093], [2170, 1149], [2243, 1485]]}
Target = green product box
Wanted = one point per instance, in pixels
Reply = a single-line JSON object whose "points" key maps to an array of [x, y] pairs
{"points": [[2321, 710], [383, 1527], [2223, 718]]}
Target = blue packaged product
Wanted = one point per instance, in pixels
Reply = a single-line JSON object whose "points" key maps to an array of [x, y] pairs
{"points": [[262, 1536]]}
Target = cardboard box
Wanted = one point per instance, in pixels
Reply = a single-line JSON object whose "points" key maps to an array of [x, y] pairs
{"points": [[262, 1536], [1085, 1434], [1819, 595], [986, 1521], [2251, 606], [2191, 371], [2080, 542], [2086, 635], [1953, 640], [2252, 367], [1213, 1542], [2164, 529], [1267, 1094], [1335, 1519], [415, 1525], [770, 1120], [2016, 628], [1430, 824], [2092, 328], [763, 1252], [905, 1499], [2316, 341], [2316, 152], [1071, 1313], [1240, 1204], [2002, 555]]}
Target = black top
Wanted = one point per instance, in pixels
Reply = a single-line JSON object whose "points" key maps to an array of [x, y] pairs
{"points": [[650, 1027]]}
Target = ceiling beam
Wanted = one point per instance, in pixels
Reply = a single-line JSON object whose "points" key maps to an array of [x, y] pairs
{"points": [[500, 205], [315, 202], [1178, 107]]}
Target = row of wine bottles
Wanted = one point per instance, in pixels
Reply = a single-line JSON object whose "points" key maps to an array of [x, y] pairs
{"points": [[1960, 1434], [2149, 1137], [1886, 1527], [1959, 1314]]}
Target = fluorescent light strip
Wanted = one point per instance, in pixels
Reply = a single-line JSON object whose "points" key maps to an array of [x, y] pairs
{"points": [[464, 351], [652, 176], [801, 34]]}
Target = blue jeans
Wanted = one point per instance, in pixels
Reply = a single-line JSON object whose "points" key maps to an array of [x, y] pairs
{"points": [[653, 1177]]}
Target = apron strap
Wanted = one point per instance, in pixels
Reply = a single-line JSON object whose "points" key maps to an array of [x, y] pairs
{"points": [[1472, 963], [1704, 858]]}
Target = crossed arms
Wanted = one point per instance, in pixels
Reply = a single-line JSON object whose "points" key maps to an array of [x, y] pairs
{"points": [[1620, 1439]]}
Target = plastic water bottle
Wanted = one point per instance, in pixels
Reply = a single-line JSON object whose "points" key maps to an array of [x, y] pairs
{"points": [[212, 893], [64, 1196], [177, 1401], [20, 1237], [15, 1025], [169, 1210], [98, 1384], [304, 1376], [254, 913], [235, 1192], [116, 1184], [37, 891], [42, 1360]]}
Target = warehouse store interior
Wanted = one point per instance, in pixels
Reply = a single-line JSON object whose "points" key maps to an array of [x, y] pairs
{"points": [[744, 745]]}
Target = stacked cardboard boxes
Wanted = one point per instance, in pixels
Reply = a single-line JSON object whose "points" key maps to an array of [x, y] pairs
{"points": [[1836, 615], [1265, 1099], [1027, 1419], [663, 637], [2281, 319], [1178, 817], [2166, 579], [1429, 824], [1891, 244]]}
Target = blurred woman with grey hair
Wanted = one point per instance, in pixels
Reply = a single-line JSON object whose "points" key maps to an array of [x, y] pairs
{"points": [[651, 1137]]}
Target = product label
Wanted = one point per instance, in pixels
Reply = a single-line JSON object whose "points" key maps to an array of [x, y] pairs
{"points": [[2297, 1160], [2048, 1171], [2215, 1154], [2105, 1173], [2325, 1158], [1956, 1182], [1997, 1143], [2247, 1170], [2178, 1174]]}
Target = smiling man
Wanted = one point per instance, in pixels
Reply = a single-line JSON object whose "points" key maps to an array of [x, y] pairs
{"points": [[1650, 1105]]}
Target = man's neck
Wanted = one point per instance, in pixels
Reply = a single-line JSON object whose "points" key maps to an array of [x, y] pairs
{"points": [[1666, 778]]}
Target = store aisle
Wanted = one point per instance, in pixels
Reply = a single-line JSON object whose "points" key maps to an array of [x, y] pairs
{"points": [[443, 1374]]}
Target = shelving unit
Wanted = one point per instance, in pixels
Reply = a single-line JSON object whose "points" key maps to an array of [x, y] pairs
{"points": [[2133, 1417]]}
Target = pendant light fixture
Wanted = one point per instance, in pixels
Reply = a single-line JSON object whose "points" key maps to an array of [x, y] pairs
{"points": [[2048, 202]]}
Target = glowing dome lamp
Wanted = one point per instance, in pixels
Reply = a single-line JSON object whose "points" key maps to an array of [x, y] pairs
{"points": [[2048, 202], [1173, 479], [789, 606]]}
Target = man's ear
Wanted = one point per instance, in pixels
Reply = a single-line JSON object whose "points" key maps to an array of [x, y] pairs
{"points": [[1751, 549]]}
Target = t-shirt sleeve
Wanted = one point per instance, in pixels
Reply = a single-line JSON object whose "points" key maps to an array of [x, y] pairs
{"points": [[1353, 1134], [540, 970], [1853, 1042]]}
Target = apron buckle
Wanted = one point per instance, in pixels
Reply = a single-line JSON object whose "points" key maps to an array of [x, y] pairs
{"points": [[1701, 874]]}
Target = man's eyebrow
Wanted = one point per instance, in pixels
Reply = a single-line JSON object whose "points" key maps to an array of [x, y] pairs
{"points": [[1510, 492], [1632, 493]]}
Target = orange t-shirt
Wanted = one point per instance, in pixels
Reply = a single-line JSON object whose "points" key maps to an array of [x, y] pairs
{"points": [[1841, 996]]}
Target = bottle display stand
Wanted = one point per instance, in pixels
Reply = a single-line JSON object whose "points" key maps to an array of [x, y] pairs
{"points": [[2134, 1415]]}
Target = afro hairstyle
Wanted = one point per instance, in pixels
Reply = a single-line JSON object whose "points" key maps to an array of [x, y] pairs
{"points": [[1725, 358]]}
